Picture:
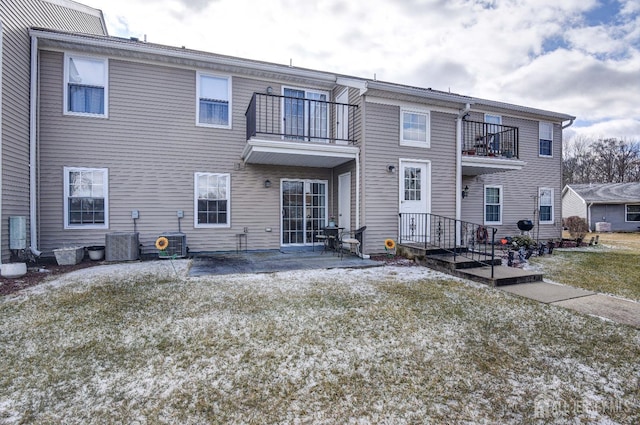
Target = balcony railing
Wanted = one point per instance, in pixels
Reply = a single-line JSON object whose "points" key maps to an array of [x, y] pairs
{"points": [[493, 140], [300, 119]]}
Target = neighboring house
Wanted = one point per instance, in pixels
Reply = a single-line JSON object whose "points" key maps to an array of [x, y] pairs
{"points": [[615, 204], [16, 17], [135, 135]]}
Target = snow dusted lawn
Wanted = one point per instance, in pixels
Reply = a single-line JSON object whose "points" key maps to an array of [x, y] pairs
{"points": [[134, 344]]}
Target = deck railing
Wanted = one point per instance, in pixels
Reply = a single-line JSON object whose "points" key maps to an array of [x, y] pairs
{"points": [[460, 238], [486, 139], [301, 119]]}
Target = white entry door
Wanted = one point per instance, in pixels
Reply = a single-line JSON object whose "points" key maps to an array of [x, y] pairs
{"points": [[415, 200], [344, 201]]}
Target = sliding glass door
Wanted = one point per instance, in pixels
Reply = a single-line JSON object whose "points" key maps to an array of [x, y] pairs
{"points": [[304, 210]]}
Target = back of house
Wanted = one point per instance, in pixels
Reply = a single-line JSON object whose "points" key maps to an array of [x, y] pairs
{"points": [[136, 140]]}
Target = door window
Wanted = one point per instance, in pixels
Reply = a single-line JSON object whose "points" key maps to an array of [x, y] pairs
{"points": [[305, 114], [304, 210]]}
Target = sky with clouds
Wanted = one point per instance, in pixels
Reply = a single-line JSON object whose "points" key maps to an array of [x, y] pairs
{"points": [[580, 57]]}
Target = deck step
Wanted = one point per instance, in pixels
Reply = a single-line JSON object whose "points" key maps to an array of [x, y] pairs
{"points": [[475, 270]]}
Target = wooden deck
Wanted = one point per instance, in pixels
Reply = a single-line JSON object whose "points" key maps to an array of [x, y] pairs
{"points": [[474, 269]]}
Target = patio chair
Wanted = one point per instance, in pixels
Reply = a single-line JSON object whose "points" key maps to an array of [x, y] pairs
{"points": [[324, 238], [352, 239]]}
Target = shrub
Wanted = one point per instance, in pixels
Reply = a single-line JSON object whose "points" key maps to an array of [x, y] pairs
{"points": [[577, 227]]}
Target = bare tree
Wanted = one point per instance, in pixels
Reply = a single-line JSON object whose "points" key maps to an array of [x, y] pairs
{"points": [[608, 160]]}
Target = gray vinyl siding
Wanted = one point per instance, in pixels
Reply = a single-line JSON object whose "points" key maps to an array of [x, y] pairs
{"points": [[152, 147], [521, 187], [17, 16], [573, 205], [616, 214], [382, 146]]}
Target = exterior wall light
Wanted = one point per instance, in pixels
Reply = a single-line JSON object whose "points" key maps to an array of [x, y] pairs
{"points": [[267, 183], [465, 192]]}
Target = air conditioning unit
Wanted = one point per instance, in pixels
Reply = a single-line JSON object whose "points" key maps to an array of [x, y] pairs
{"points": [[121, 246], [177, 244]]}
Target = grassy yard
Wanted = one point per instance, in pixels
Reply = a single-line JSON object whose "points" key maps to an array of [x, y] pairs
{"points": [[131, 344], [612, 266]]}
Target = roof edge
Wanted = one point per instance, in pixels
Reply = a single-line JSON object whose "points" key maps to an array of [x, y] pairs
{"points": [[172, 51]]}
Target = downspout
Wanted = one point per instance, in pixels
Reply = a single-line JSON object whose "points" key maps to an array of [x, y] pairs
{"points": [[589, 216], [33, 105], [461, 114]]}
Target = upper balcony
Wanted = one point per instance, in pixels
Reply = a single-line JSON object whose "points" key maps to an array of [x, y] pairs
{"points": [[489, 148], [299, 131]]}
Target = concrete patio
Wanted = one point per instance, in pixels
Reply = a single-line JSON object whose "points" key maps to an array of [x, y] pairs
{"points": [[274, 261]]}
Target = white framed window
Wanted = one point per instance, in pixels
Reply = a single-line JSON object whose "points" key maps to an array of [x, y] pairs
{"points": [[86, 200], [545, 196], [546, 139], [86, 90], [415, 128], [632, 213], [213, 103], [212, 200], [493, 204]]}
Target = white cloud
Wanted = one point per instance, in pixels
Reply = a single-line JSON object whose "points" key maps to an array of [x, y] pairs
{"points": [[540, 53]]}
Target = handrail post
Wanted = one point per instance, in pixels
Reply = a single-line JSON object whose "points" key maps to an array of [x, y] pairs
{"points": [[493, 249]]}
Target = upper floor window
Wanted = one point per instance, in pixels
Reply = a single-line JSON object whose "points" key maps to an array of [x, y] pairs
{"points": [[493, 205], [212, 200], [85, 88], [632, 213], [546, 139], [546, 204], [414, 128], [214, 101], [86, 200]]}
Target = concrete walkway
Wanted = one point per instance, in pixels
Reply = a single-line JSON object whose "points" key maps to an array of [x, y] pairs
{"points": [[609, 307]]}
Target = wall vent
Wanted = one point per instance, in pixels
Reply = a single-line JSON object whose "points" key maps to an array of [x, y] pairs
{"points": [[122, 246], [177, 244]]}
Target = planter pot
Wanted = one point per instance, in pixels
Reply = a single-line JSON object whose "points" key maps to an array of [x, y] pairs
{"points": [[96, 253], [69, 256], [13, 270]]}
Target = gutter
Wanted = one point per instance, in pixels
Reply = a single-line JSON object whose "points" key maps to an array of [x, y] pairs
{"points": [[568, 125], [109, 42]]}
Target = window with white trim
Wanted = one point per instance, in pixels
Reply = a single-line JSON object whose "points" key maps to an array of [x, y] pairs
{"points": [[213, 107], [545, 196], [86, 203], [632, 213], [415, 128], [86, 85], [212, 200], [493, 205], [546, 139]]}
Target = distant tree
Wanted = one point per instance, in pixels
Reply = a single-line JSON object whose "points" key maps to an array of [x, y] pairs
{"points": [[607, 160]]}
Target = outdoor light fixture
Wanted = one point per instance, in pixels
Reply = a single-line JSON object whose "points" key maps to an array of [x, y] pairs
{"points": [[465, 192], [391, 168], [269, 90], [267, 183]]}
